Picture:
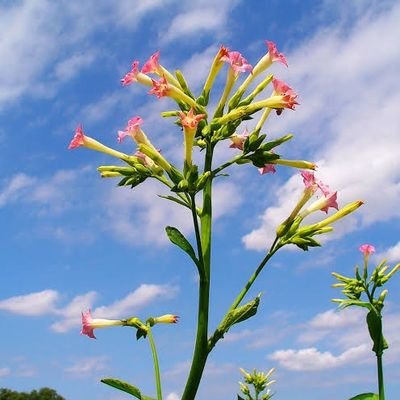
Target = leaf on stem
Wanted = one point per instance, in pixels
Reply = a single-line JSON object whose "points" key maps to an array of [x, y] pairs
{"points": [[177, 238], [366, 396], [233, 317], [126, 387]]}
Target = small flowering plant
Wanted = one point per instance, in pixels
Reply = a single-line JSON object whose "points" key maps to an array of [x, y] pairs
{"points": [[260, 383], [191, 186], [361, 291]]}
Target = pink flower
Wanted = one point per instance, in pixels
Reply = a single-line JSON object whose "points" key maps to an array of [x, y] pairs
{"points": [[79, 138], [289, 96], [238, 140], [267, 168], [152, 65], [87, 328], [367, 249], [146, 160], [89, 324], [131, 76], [160, 88], [330, 201], [132, 129], [311, 182], [274, 54], [237, 61], [190, 120]]}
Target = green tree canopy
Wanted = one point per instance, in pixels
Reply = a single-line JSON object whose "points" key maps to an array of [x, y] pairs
{"points": [[41, 394]]}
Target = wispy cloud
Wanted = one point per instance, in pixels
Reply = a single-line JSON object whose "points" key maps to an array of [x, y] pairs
{"points": [[87, 366], [344, 331], [4, 371], [392, 254], [33, 304], [139, 216], [311, 359], [201, 17], [14, 188]]}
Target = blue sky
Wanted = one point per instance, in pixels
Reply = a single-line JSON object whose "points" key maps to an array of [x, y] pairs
{"points": [[71, 241]]}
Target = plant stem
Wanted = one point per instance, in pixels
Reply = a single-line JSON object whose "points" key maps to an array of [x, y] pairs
{"points": [[200, 351], [155, 362], [253, 277], [381, 385]]}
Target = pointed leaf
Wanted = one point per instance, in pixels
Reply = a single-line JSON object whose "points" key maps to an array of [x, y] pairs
{"points": [[124, 386], [176, 237], [240, 398], [366, 396], [174, 199]]}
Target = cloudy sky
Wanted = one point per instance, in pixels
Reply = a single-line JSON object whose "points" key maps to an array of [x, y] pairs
{"points": [[71, 241]]}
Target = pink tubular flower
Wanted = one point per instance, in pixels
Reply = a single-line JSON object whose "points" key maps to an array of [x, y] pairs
{"points": [[330, 201], [89, 323], [160, 88], [189, 123], [274, 54], [79, 138], [267, 168], [131, 76], [310, 181], [289, 96], [152, 65], [367, 249], [238, 140], [190, 120], [132, 129], [134, 75], [237, 61]]}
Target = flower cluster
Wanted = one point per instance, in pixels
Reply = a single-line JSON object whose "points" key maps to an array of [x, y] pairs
{"points": [[290, 231], [198, 130]]}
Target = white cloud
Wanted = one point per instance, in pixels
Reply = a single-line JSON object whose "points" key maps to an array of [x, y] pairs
{"points": [[55, 192], [140, 297], [327, 322], [68, 68], [392, 254], [71, 313], [173, 396], [139, 216], [15, 188], [33, 304], [204, 16], [87, 366], [311, 359], [348, 102], [4, 371]]}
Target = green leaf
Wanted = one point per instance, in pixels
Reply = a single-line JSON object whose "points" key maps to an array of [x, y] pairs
{"points": [[176, 237], [240, 398], [374, 321], [366, 396], [126, 387], [175, 200], [233, 317]]}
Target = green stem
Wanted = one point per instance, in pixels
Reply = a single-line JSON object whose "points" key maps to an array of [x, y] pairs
{"points": [[274, 248], [155, 362], [381, 385], [218, 334], [227, 164], [200, 351]]}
